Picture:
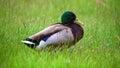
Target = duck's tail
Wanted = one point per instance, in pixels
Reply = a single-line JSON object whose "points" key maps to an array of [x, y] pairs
{"points": [[27, 42], [30, 43]]}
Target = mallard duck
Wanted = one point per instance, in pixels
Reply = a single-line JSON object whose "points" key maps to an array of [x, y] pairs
{"points": [[67, 32]]}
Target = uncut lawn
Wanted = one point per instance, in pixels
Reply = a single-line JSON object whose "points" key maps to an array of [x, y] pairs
{"points": [[99, 48]]}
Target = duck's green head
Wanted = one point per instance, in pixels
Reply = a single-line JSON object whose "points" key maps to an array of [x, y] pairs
{"points": [[68, 17]]}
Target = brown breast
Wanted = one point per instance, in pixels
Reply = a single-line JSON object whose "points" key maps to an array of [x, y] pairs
{"points": [[77, 31]]}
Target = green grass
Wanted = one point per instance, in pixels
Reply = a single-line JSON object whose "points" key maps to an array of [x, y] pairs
{"points": [[99, 48]]}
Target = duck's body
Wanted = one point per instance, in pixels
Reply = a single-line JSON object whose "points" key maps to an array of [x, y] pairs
{"points": [[57, 34]]}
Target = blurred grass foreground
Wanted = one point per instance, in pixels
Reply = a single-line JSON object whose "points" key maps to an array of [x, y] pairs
{"points": [[99, 48]]}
